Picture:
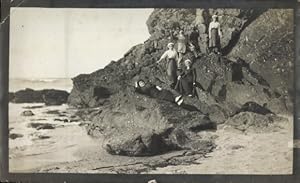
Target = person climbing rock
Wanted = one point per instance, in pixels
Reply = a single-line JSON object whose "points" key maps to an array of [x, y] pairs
{"points": [[181, 45], [157, 92], [193, 38], [214, 34], [186, 80], [172, 56]]}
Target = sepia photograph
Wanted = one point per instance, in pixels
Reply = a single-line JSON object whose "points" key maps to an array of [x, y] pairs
{"points": [[151, 90]]}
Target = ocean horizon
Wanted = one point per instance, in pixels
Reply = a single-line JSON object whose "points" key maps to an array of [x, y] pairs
{"points": [[16, 84]]}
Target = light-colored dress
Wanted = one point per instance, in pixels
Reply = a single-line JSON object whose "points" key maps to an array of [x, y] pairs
{"points": [[170, 54], [181, 44], [215, 32]]}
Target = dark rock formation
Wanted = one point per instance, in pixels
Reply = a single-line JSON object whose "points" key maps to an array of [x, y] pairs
{"points": [[11, 96], [244, 84], [41, 126], [254, 122], [254, 107], [49, 97], [61, 120], [55, 97], [54, 112], [43, 137], [267, 44], [136, 125], [38, 119]]}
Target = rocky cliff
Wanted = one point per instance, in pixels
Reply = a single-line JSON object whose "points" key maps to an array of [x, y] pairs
{"points": [[254, 74]]}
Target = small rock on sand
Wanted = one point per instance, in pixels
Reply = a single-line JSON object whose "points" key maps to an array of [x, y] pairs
{"points": [[27, 113], [43, 137], [41, 126], [38, 119], [235, 147], [53, 112], [62, 120], [15, 136]]}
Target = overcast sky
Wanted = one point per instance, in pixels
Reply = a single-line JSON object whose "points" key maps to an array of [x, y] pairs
{"points": [[59, 43]]}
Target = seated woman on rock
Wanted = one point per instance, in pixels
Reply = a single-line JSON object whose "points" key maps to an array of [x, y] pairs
{"points": [[172, 56], [157, 92], [186, 80]]}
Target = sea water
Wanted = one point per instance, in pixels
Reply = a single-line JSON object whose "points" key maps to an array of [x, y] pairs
{"points": [[36, 149], [16, 84]]}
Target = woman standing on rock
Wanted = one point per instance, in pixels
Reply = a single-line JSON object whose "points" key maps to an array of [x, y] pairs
{"points": [[181, 45], [172, 56], [214, 34], [194, 38]]}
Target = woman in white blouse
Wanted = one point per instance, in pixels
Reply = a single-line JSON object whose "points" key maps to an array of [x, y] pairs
{"points": [[214, 34], [172, 58]]}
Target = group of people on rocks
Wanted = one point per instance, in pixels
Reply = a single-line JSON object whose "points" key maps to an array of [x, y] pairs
{"points": [[182, 79], [214, 35]]}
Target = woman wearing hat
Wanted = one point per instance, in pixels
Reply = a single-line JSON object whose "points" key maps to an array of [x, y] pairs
{"points": [[172, 56], [186, 80], [214, 34]]}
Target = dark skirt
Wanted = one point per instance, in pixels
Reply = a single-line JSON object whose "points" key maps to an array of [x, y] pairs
{"points": [[215, 39], [185, 85], [172, 70]]}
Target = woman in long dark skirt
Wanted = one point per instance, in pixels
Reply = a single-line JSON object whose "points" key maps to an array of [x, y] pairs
{"points": [[186, 80], [214, 34]]}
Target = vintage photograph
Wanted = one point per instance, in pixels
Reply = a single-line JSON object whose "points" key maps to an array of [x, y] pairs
{"points": [[151, 91]]}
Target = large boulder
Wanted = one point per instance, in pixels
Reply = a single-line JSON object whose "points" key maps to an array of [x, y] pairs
{"points": [[254, 122], [267, 44], [27, 96], [47, 96], [55, 97], [137, 125]]}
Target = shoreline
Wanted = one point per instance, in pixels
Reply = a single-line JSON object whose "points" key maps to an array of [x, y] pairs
{"points": [[76, 152]]}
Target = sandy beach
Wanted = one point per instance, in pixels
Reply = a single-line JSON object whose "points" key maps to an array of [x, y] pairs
{"points": [[38, 148], [68, 149], [240, 153]]}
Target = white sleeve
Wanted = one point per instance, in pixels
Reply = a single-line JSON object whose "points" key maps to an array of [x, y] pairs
{"points": [[164, 55]]}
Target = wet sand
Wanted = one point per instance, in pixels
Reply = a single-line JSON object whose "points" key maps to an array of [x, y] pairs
{"points": [[40, 148], [240, 153], [70, 150]]}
